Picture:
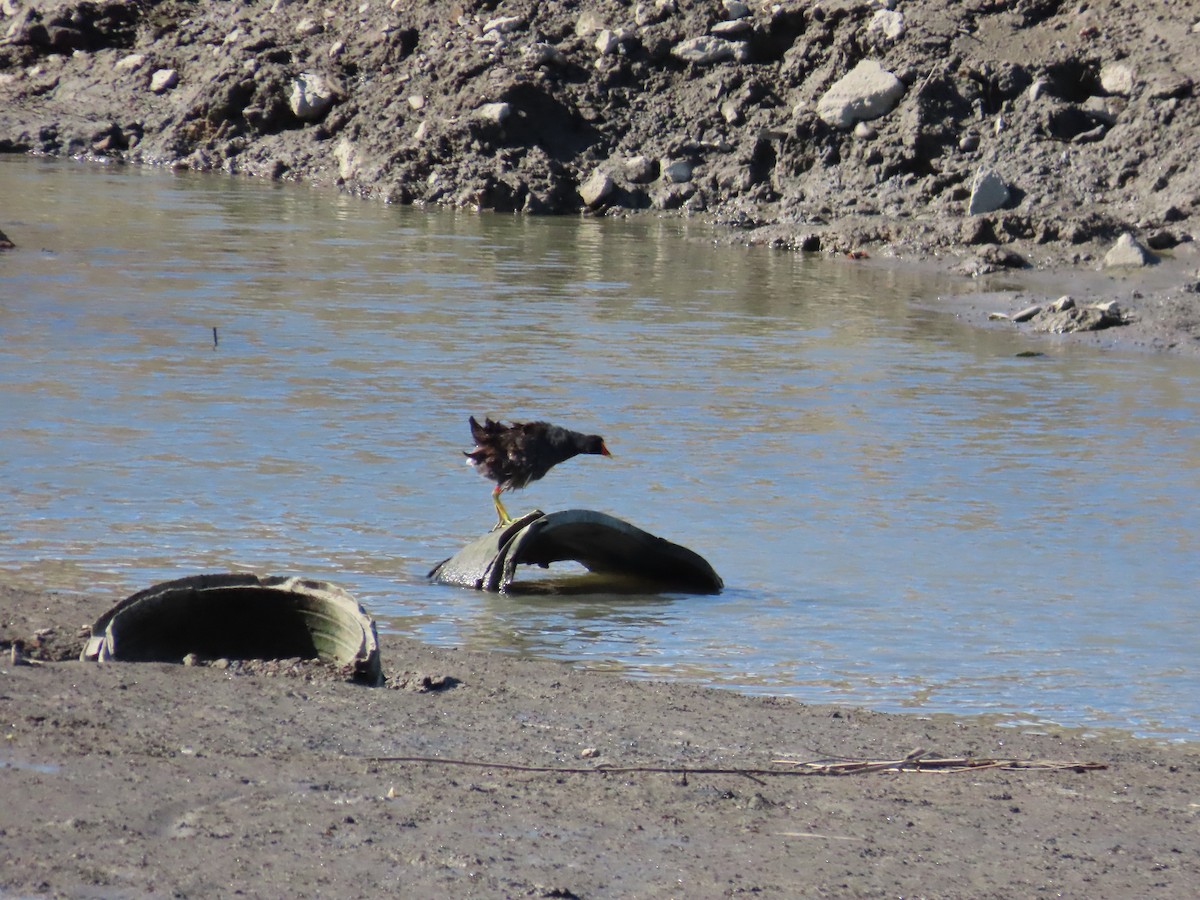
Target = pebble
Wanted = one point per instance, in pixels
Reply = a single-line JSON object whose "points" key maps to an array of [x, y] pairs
{"points": [[496, 113], [1117, 78], [504, 24], [731, 28], [1027, 313], [988, 193], [597, 187], [704, 51], [885, 27], [866, 92], [639, 169], [677, 171], [130, 63], [163, 80], [1062, 304], [311, 97], [1126, 252], [606, 43], [308, 27]]}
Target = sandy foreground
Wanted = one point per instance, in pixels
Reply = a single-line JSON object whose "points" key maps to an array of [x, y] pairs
{"points": [[474, 774]]}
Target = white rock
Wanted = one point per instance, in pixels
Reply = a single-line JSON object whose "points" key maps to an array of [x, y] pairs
{"points": [[731, 28], [1117, 78], [589, 23], [598, 186], [417, 101], [347, 159], [163, 80], [1126, 252], [865, 131], [504, 24], [1063, 303], [496, 113], [677, 171], [866, 92], [308, 27], [130, 63], [311, 97], [639, 169], [704, 51], [988, 193], [543, 54], [606, 43], [885, 27], [735, 9]]}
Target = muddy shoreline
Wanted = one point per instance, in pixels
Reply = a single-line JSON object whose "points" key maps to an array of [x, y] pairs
{"points": [[149, 779], [1011, 139]]}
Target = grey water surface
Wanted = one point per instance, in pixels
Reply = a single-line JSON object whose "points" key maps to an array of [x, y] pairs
{"points": [[907, 515]]}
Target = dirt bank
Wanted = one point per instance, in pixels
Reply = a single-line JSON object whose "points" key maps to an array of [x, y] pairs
{"points": [[1085, 115], [150, 780]]}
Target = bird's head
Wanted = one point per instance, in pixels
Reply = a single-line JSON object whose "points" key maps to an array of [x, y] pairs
{"points": [[595, 445]]}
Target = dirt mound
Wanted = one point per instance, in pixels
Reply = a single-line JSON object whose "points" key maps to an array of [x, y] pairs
{"points": [[1086, 114]]}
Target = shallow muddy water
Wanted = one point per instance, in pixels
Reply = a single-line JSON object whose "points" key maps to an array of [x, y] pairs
{"points": [[907, 514]]}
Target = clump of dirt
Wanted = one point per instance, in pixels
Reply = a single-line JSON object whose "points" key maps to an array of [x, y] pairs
{"points": [[1086, 113]]}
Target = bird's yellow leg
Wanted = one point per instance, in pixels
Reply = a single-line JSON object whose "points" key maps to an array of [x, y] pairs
{"points": [[505, 518]]}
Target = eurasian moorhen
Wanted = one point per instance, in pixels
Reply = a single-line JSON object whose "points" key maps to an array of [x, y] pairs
{"points": [[514, 455]]}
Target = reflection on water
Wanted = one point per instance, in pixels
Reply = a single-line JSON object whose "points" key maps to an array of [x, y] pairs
{"points": [[906, 514]]}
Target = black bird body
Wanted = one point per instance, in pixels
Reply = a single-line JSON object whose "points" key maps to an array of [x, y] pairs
{"points": [[516, 454]]}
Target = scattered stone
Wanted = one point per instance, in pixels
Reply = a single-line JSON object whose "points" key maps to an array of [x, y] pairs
{"points": [[988, 193], [676, 171], [311, 97], [704, 51], [640, 169], [1038, 88], [866, 92], [163, 80], [1027, 313], [504, 24], [543, 54], [731, 28], [308, 27], [598, 186], [589, 23], [417, 101], [885, 27], [607, 43], [496, 113], [1090, 318], [865, 132], [735, 9], [1117, 78], [1062, 304], [1127, 252], [130, 63], [1165, 85], [969, 142]]}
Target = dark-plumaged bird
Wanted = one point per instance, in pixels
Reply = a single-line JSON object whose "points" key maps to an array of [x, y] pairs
{"points": [[514, 455]]}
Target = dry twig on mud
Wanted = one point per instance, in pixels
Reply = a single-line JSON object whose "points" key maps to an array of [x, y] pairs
{"points": [[919, 761], [916, 761]]}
